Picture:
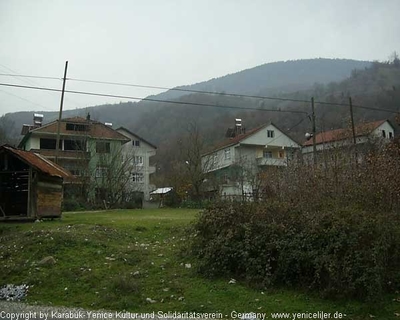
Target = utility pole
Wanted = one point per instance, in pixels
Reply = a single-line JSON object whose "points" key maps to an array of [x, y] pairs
{"points": [[313, 131], [353, 129], [60, 113]]}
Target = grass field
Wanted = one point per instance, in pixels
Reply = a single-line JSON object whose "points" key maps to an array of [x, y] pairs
{"points": [[118, 259]]}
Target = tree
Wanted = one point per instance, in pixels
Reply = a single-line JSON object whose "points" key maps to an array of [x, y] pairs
{"points": [[7, 131]]}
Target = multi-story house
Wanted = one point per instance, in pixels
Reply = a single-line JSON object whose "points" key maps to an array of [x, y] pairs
{"points": [[138, 152], [334, 144], [88, 149], [234, 165]]}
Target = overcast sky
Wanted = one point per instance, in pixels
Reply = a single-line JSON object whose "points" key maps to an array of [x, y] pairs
{"points": [[170, 42]]}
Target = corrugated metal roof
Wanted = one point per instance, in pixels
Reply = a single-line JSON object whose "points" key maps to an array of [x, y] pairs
{"points": [[38, 162], [161, 190], [341, 134]]}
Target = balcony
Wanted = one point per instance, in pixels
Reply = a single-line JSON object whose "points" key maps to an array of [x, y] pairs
{"points": [[271, 162], [63, 154]]}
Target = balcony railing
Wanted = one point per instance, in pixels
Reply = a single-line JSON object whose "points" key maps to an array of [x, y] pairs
{"points": [[271, 162], [63, 154]]}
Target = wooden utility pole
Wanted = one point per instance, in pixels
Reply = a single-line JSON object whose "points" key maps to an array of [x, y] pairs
{"points": [[353, 130], [313, 131], [352, 121], [60, 113]]}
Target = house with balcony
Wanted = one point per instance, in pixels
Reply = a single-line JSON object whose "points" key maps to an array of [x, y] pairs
{"points": [[338, 144], [89, 149], [137, 151], [235, 164]]}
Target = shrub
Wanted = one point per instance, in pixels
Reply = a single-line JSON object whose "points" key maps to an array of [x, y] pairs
{"points": [[338, 251]]}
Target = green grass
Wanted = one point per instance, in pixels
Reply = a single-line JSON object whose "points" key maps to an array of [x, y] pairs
{"points": [[99, 253]]}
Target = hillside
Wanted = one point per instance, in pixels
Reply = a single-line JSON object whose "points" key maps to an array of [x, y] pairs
{"points": [[155, 121]]}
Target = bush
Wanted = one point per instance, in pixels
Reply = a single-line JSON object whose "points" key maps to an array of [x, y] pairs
{"points": [[338, 251]]}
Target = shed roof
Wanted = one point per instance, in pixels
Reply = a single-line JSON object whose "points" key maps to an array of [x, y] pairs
{"points": [[38, 162], [162, 190]]}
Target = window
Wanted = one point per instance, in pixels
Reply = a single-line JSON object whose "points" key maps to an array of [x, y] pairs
{"points": [[76, 127], [136, 143], [137, 177], [281, 154], [101, 172], [268, 154], [138, 160], [270, 133], [227, 154], [390, 135], [74, 145], [102, 147], [49, 144], [384, 133], [214, 159]]}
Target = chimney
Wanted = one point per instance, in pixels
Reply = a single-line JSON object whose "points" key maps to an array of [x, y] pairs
{"points": [[37, 120], [236, 130], [88, 117], [238, 127]]}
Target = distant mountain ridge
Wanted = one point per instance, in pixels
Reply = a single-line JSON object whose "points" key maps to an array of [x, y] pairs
{"points": [[267, 79], [288, 76]]}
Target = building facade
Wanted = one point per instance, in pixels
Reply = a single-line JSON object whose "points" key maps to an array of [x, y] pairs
{"points": [[334, 143], [137, 151], [235, 165], [89, 149]]}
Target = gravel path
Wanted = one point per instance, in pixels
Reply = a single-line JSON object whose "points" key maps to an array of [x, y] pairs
{"points": [[23, 311]]}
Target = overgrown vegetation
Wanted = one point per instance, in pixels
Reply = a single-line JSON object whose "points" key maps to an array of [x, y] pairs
{"points": [[334, 228], [115, 260]]}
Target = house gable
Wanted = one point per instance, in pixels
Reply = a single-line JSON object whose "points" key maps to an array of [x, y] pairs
{"points": [[270, 135]]}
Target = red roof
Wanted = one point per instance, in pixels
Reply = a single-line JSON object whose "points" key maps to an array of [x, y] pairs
{"points": [[38, 162], [341, 134], [236, 139]]}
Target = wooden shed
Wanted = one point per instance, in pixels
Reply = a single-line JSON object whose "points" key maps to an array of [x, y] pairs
{"points": [[31, 187]]}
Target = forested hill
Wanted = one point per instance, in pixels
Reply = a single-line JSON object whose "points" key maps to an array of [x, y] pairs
{"points": [[156, 121], [283, 76]]}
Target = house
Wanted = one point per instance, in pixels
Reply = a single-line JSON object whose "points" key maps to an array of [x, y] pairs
{"points": [[329, 142], [139, 151], [233, 166], [31, 186], [89, 149]]}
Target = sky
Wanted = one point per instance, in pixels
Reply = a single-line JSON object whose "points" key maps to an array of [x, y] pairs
{"points": [[174, 42]]}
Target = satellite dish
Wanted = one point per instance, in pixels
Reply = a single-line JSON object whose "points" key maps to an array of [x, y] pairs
{"points": [[308, 136]]}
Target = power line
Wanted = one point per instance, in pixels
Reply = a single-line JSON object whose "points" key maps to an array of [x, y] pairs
{"points": [[30, 82], [201, 92], [29, 76], [150, 99], [27, 100]]}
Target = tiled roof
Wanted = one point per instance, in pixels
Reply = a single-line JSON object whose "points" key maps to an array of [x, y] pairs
{"points": [[341, 134], [241, 137], [96, 129], [38, 162], [134, 134]]}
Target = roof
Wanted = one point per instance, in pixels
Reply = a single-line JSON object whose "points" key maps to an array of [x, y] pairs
{"points": [[162, 190], [341, 134], [38, 162], [241, 137], [134, 134], [96, 130]]}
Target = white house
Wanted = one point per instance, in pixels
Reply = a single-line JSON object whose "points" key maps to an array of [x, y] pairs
{"points": [[139, 151], [328, 141], [236, 161]]}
